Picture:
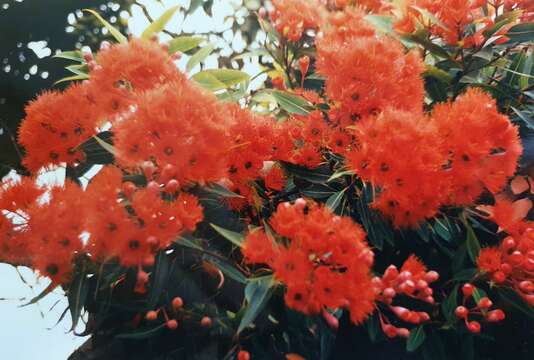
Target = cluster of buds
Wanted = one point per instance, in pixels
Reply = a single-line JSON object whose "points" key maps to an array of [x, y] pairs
{"points": [[177, 305], [162, 180], [482, 309], [395, 283], [172, 324], [513, 264], [412, 281]]}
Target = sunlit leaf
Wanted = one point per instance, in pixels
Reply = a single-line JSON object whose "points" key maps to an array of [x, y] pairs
{"points": [[160, 23], [199, 56], [184, 43], [234, 237]]}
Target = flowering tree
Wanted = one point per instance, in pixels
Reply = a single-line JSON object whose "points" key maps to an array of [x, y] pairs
{"points": [[375, 181]]}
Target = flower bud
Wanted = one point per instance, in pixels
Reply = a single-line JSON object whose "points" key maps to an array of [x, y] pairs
{"points": [[403, 332], [142, 277], [391, 273], [151, 315], [390, 331], [484, 303], [148, 168], [405, 275], [468, 290], [431, 276], [206, 322], [421, 285], [172, 324], [461, 312], [389, 292], [172, 186], [153, 186], [508, 243], [473, 327], [516, 258], [177, 303], [526, 286], [495, 315], [243, 355], [499, 277], [128, 188]]}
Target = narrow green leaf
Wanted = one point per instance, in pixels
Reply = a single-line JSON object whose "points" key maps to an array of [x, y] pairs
{"points": [[521, 33], [159, 278], [373, 327], [465, 274], [472, 243], [184, 43], [257, 294], [82, 69], [292, 103], [160, 23], [71, 55], [234, 237], [43, 293], [113, 31], [109, 148], [430, 16], [449, 305], [141, 334], [339, 174], [227, 269], [315, 176], [77, 296], [218, 79], [333, 201], [199, 56], [72, 78], [417, 338]]}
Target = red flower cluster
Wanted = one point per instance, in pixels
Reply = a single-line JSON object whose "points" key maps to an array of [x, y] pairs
{"points": [[56, 124], [481, 308], [291, 18], [179, 127], [114, 219], [322, 258], [413, 281], [483, 146], [399, 153]]}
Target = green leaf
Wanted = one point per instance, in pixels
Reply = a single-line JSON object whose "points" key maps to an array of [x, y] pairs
{"points": [[448, 306], [159, 279], [291, 103], [71, 55], [184, 43], [72, 78], [334, 200], [160, 23], [373, 327], [465, 274], [257, 294], [433, 48], [315, 176], [339, 174], [529, 122], [227, 269], [108, 147], [513, 299], [221, 190], [234, 237], [472, 243], [112, 30], [430, 16], [199, 56], [218, 79], [521, 33], [42, 295], [416, 339], [81, 69], [77, 296], [141, 334]]}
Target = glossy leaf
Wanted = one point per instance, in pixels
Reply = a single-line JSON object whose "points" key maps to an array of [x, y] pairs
{"points": [[218, 79], [184, 43], [159, 278], [334, 200], [71, 55], [257, 294], [160, 23], [416, 339], [291, 103], [41, 295], [513, 299], [142, 334], [232, 236], [221, 190], [199, 57], [77, 296]]}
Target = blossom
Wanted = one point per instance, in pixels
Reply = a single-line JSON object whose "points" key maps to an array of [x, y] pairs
{"points": [[178, 126], [55, 125], [124, 70], [292, 18], [482, 144], [325, 263]]}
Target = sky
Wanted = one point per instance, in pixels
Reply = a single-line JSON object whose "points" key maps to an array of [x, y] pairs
{"points": [[32, 331]]}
